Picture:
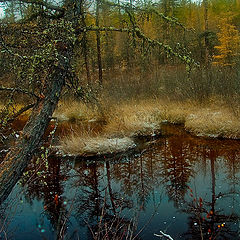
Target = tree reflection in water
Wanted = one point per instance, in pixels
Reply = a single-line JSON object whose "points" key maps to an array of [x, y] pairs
{"points": [[206, 220], [46, 184], [111, 196]]}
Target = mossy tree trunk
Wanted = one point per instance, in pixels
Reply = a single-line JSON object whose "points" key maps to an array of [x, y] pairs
{"points": [[15, 162]]}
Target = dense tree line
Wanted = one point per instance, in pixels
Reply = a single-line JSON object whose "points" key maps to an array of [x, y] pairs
{"points": [[209, 27]]}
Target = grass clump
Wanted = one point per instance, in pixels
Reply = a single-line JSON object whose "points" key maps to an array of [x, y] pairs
{"points": [[125, 121], [122, 123], [214, 122], [134, 118], [91, 146], [73, 111], [176, 112]]}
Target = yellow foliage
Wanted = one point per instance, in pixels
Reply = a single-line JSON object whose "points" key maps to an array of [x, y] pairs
{"points": [[229, 47], [148, 28]]}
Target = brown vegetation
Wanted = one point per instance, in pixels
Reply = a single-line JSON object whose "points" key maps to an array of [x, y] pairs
{"points": [[203, 109]]}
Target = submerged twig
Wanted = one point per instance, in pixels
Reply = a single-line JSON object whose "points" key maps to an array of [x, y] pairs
{"points": [[163, 235]]}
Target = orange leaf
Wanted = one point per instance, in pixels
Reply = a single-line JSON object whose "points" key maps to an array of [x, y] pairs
{"points": [[56, 199]]}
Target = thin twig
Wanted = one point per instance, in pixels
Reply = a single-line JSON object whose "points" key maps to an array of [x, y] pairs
{"points": [[164, 235], [2, 88]]}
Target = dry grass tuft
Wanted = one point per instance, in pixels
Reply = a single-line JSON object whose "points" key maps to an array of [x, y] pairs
{"points": [[76, 111], [90, 146], [123, 121], [213, 122], [126, 120], [134, 118], [176, 112]]}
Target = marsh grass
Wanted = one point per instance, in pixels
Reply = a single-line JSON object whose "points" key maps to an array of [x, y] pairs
{"points": [[131, 119], [136, 104], [73, 111], [134, 118], [121, 124], [213, 122], [91, 146]]}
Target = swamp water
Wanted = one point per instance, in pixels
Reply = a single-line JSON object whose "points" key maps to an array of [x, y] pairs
{"points": [[184, 186]]}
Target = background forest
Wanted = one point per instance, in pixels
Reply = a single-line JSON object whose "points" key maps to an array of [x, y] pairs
{"points": [[207, 31]]}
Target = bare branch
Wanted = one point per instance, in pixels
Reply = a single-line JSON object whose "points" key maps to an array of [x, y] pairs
{"points": [[36, 2], [152, 42], [163, 235], [8, 50], [21, 111], [148, 9], [2, 88]]}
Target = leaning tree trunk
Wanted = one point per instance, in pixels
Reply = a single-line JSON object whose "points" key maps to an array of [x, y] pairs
{"points": [[15, 162]]}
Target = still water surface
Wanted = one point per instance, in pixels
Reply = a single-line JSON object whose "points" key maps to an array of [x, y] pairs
{"points": [[185, 186]]}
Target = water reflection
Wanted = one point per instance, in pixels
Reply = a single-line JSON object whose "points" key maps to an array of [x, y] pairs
{"points": [[192, 180], [44, 182], [206, 220]]}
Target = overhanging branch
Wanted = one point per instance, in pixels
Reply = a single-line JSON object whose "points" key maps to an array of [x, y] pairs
{"points": [[5, 48], [39, 3], [147, 9], [152, 42]]}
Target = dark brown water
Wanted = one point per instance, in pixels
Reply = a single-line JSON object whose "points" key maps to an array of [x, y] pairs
{"points": [[185, 186]]}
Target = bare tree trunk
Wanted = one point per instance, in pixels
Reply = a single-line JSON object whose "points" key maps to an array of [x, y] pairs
{"points": [[131, 3], [205, 2], [85, 53], [100, 75], [15, 162], [84, 44]]}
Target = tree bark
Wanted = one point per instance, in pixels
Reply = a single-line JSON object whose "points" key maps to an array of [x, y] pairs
{"points": [[99, 54], [15, 162]]}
